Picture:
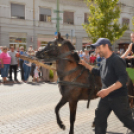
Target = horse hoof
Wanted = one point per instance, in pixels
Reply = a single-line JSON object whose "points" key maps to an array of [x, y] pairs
{"points": [[93, 125], [62, 126]]}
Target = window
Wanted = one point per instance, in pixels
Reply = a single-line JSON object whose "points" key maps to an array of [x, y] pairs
{"points": [[86, 15], [126, 21], [45, 14], [68, 17], [17, 11]]}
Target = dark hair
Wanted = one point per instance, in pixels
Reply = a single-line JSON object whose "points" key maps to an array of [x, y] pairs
{"points": [[110, 47]]}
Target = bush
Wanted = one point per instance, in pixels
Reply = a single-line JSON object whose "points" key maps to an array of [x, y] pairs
{"points": [[51, 74]]}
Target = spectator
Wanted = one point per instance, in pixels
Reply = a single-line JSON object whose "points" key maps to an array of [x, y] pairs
{"points": [[45, 72], [92, 58], [1, 49], [98, 60], [27, 66], [18, 49], [36, 73], [86, 56], [0, 53], [21, 63], [14, 64], [129, 62], [118, 53], [81, 54], [5, 63], [45, 75]]}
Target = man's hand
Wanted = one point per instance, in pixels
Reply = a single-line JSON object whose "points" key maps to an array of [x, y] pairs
{"points": [[82, 62], [103, 93], [129, 57]]}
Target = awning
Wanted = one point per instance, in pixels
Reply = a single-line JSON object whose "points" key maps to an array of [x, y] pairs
{"points": [[86, 44]]}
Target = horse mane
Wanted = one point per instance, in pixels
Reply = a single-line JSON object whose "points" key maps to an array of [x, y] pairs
{"points": [[69, 44], [71, 47]]}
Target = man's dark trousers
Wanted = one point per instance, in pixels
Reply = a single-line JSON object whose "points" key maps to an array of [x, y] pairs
{"points": [[14, 68], [121, 109], [22, 69]]}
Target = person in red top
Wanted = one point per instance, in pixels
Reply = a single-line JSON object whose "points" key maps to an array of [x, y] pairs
{"points": [[92, 58], [5, 60]]}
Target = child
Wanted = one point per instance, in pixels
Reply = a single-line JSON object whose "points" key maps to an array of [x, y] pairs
{"points": [[36, 73]]}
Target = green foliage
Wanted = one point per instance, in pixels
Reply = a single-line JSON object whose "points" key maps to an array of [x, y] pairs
{"points": [[133, 23], [103, 20], [51, 74]]}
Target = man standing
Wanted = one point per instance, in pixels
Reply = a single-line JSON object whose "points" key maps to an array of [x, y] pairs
{"points": [[14, 63], [21, 63], [113, 95]]}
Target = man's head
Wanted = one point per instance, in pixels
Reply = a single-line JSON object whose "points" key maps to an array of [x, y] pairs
{"points": [[103, 47], [1, 48], [12, 48], [21, 48], [132, 37], [81, 52], [86, 51]]}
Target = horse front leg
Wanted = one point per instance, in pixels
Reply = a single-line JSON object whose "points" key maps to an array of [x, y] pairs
{"points": [[59, 105], [73, 107]]}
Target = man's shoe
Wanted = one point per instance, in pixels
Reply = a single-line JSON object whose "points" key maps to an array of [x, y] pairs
{"points": [[16, 80], [10, 79]]}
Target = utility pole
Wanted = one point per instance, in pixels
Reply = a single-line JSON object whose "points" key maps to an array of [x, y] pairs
{"points": [[58, 21], [57, 11], [34, 34]]}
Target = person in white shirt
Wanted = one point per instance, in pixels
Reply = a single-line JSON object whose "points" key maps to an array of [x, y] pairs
{"points": [[14, 64]]}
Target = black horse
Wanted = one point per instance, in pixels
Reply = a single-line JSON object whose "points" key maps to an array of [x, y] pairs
{"points": [[75, 81]]}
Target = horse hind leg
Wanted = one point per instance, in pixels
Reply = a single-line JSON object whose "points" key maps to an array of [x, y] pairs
{"points": [[59, 105], [73, 107]]}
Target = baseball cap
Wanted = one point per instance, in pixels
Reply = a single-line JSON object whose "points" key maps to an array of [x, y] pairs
{"points": [[102, 41]]}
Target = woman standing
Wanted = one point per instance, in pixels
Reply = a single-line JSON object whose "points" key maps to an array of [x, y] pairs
{"points": [[27, 66], [5, 64], [86, 56]]}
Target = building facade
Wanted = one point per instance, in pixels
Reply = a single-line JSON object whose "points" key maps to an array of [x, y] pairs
{"points": [[32, 22]]}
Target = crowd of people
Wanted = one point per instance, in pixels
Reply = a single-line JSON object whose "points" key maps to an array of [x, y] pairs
{"points": [[93, 58], [11, 65], [29, 72], [90, 57]]}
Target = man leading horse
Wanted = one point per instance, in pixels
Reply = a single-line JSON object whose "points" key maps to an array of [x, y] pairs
{"points": [[114, 96]]}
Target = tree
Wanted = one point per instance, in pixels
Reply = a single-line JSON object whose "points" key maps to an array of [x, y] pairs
{"points": [[133, 23], [103, 20]]}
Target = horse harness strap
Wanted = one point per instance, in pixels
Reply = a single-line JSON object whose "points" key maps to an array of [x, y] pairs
{"points": [[62, 56], [69, 72], [74, 84], [91, 92], [79, 74]]}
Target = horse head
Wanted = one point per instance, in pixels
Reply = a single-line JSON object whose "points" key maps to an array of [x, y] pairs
{"points": [[55, 49]]}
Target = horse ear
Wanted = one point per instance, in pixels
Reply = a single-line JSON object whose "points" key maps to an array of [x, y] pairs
{"points": [[59, 35]]}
